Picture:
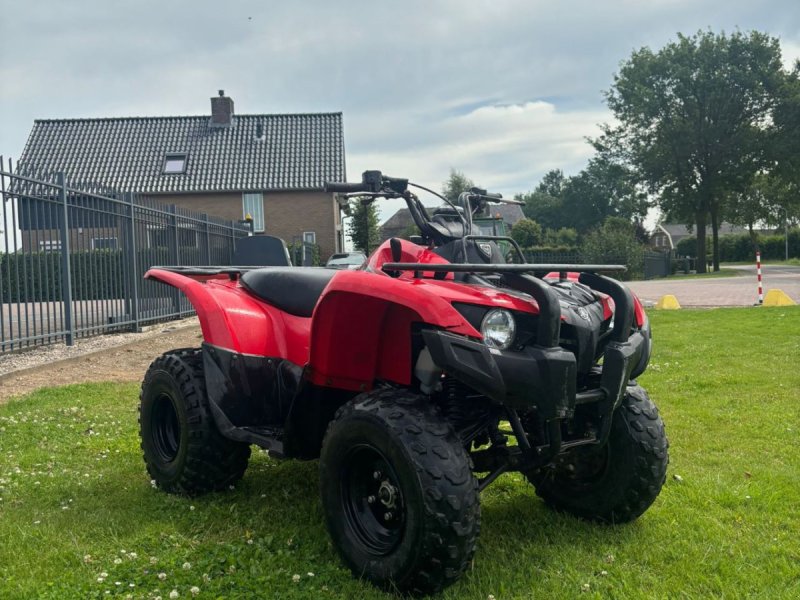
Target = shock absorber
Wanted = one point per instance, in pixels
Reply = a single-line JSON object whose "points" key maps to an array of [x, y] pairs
{"points": [[470, 414]]}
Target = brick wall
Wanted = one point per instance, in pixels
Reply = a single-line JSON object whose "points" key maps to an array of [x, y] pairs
{"points": [[286, 214]]}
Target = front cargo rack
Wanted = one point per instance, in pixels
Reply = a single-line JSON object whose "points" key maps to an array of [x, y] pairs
{"points": [[500, 268]]}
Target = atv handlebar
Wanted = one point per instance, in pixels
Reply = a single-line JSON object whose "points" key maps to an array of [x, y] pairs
{"points": [[372, 182], [345, 188]]}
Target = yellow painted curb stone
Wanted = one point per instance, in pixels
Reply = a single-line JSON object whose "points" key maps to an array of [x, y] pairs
{"points": [[668, 302], [778, 298]]}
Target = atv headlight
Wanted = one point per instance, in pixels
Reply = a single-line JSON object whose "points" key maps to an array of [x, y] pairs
{"points": [[498, 328]]}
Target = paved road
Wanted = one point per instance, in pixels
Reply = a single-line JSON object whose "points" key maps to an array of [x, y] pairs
{"points": [[741, 290]]}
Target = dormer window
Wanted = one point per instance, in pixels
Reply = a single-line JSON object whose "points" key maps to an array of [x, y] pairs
{"points": [[175, 163]]}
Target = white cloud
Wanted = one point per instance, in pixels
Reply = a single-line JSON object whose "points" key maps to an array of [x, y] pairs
{"points": [[506, 148], [790, 51]]}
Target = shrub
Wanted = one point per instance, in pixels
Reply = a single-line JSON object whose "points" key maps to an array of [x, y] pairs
{"points": [[615, 241]]}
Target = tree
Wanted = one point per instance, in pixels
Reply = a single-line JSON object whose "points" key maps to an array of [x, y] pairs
{"points": [[787, 124], [694, 121], [545, 209], [363, 228], [455, 184], [527, 233], [756, 203], [603, 189], [552, 183]]}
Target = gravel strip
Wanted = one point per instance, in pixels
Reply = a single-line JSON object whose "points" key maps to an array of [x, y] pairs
{"points": [[43, 355]]}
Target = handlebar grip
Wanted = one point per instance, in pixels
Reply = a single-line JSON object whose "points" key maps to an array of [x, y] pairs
{"points": [[345, 188]]}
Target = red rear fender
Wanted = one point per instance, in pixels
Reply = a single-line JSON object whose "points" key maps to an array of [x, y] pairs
{"points": [[232, 319]]}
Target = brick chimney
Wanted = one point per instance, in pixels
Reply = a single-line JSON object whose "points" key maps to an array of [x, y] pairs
{"points": [[221, 110]]}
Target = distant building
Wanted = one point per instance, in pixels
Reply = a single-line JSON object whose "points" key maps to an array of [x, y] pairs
{"points": [[269, 166], [674, 233], [396, 224]]}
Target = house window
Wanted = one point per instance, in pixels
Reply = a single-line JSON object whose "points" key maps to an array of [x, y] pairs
{"points": [[49, 245], [253, 205], [164, 237], [309, 239], [104, 243], [175, 163]]}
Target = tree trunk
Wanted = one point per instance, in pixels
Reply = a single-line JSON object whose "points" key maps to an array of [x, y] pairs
{"points": [[715, 237], [753, 237], [700, 222]]}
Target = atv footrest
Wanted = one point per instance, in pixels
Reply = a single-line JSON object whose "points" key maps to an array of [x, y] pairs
{"points": [[267, 437]]}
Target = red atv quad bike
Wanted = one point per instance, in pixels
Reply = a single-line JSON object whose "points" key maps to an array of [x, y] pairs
{"points": [[416, 380]]}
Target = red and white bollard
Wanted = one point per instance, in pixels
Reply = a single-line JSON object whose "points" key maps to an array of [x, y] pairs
{"points": [[758, 270]]}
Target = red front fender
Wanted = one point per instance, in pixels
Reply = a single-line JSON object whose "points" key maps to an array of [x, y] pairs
{"points": [[361, 328]]}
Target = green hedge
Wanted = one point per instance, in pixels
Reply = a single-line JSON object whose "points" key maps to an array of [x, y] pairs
{"points": [[96, 274], [552, 254], [296, 254], [737, 247]]}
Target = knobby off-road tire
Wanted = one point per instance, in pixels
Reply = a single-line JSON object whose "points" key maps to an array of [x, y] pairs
{"points": [[617, 483], [398, 493], [183, 450]]}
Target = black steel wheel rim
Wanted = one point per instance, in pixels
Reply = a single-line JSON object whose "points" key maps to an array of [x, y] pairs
{"points": [[372, 499], [166, 429], [584, 467]]}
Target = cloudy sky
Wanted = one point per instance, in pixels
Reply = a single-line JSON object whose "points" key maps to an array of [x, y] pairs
{"points": [[503, 90]]}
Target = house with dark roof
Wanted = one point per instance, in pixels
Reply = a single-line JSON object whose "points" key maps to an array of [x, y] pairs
{"points": [[269, 166], [667, 235]]}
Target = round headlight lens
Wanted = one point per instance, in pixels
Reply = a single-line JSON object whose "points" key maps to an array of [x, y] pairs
{"points": [[498, 329]]}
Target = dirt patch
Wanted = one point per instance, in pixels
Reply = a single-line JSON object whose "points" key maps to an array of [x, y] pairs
{"points": [[125, 362]]}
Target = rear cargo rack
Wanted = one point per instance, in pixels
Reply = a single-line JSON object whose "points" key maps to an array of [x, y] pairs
{"points": [[210, 271]]}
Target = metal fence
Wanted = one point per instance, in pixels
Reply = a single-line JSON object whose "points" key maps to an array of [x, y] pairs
{"points": [[73, 257]]}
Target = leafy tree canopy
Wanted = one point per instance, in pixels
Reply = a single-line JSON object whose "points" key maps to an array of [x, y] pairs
{"points": [[455, 184], [695, 119], [603, 189]]}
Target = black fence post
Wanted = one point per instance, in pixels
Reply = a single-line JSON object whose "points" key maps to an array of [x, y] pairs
{"points": [[208, 240], [176, 259], [132, 300], [66, 275]]}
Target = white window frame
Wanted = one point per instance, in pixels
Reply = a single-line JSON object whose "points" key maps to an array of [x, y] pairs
{"points": [[49, 245], [174, 157], [258, 214]]}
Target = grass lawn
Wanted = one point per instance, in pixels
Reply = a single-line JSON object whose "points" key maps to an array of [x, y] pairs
{"points": [[79, 518]]}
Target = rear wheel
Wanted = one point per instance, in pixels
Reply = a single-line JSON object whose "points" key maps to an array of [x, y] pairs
{"points": [[619, 481], [398, 493], [183, 450]]}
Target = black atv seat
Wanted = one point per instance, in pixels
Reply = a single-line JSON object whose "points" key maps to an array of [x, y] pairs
{"points": [[449, 221], [291, 289]]}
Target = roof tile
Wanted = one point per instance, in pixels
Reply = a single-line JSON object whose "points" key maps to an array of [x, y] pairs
{"points": [[298, 151]]}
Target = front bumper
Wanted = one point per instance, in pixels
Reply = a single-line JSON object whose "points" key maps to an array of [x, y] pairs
{"points": [[544, 376], [536, 377]]}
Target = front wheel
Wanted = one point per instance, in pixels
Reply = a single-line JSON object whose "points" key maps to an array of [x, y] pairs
{"points": [[619, 481], [398, 493]]}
